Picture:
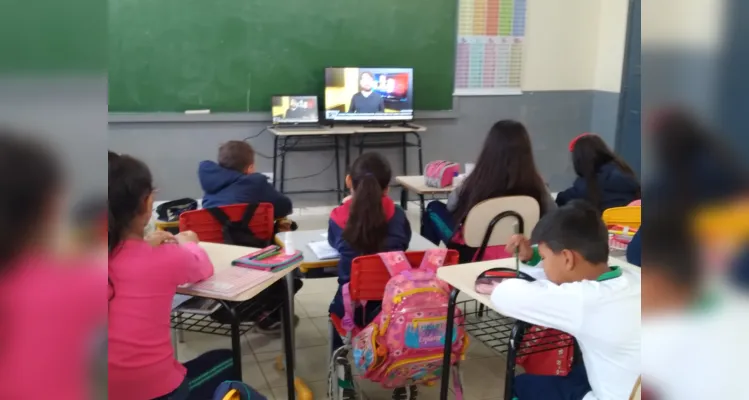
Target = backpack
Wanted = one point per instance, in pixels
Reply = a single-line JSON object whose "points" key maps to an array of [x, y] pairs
{"points": [[440, 173], [238, 232], [235, 390], [404, 344]]}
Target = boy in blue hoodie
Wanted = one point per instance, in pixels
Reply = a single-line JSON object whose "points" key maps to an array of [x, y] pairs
{"points": [[233, 180]]}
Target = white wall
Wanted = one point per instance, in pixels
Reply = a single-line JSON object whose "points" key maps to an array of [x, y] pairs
{"points": [[575, 44], [687, 23]]}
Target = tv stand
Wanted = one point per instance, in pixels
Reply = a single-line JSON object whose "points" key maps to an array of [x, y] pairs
{"points": [[377, 125]]}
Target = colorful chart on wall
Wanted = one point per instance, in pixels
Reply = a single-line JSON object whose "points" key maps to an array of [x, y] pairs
{"points": [[489, 56]]}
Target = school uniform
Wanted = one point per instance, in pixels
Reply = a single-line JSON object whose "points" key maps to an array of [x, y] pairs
{"points": [[398, 238], [223, 187], [603, 315], [615, 188]]}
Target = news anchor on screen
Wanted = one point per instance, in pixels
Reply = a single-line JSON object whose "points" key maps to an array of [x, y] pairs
{"points": [[366, 100]]}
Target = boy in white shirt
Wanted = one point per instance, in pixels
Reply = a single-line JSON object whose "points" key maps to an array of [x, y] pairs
{"points": [[596, 303]]}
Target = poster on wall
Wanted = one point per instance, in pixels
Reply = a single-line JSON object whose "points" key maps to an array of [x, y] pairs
{"points": [[489, 56]]}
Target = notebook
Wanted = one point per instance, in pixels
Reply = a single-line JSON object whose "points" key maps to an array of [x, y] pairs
{"points": [[323, 250], [275, 262], [230, 282]]}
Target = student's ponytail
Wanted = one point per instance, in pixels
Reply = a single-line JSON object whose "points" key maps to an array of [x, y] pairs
{"points": [[130, 183], [367, 226]]}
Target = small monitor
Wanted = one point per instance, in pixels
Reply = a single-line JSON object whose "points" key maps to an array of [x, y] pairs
{"points": [[294, 110], [369, 94]]}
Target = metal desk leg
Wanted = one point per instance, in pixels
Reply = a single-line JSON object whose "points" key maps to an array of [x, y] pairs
{"points": [[283, 161], [236, 344], [275, 157], [348, 153], [423, 208], [404, 194], [337, 168], [421, 155], [288, 334], [445, 387]]}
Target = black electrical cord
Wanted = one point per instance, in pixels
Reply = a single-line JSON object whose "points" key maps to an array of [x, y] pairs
{"points": [[332, 161], [257, 134]]}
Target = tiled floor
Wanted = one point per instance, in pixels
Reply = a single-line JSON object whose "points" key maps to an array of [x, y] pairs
{"points": [[483, 370]]}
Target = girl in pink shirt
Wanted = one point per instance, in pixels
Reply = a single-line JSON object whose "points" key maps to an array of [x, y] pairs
{"points": [[143, 278], [50, 308]]}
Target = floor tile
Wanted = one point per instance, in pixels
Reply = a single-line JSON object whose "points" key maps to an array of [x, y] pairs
{"points": [[323, 286], [311, 365], [196, 344], [316, 305], [252, 374], [322, 324], [265, 391], [306, 334], [476, 349], [483, 378], [319, 390]]}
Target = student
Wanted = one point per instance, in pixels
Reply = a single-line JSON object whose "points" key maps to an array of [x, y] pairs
{"points": [[603, 178], [233, 180], [366, 100], [597, 303], [505, 167], [143, 277], [50, 307], [368, 222]]}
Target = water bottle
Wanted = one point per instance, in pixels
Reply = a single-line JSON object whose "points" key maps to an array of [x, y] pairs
{"points": [[288, 244]]}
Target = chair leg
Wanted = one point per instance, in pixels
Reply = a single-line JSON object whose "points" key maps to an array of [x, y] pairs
{"points": [[481, 310]]}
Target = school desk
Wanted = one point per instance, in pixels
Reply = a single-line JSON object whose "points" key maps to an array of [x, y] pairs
{"points": [[338, 138], [500, 334], [222, 255], [301, 239]]}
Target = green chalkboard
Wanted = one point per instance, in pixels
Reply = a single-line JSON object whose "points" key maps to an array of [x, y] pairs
{"points": [[233, 55]]}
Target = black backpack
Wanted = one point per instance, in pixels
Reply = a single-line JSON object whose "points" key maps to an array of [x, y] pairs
{"points": [[238, 232]]}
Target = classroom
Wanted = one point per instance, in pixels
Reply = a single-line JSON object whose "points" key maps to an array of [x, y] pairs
{"points": [[260, 124]]}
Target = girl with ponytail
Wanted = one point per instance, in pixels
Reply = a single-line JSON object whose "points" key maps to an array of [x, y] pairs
{"points": [[367, 222], [144, 272]]}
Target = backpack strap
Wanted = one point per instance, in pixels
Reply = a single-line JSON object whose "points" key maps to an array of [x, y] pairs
{"points": [[348, 309], [249, 212], [395, 261], [219, 215], [433, 259]]}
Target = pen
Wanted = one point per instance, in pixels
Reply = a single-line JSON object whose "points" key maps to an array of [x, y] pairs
{"points": [[267, 255]]}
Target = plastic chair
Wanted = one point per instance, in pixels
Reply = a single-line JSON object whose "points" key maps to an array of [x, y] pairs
{"points": [[630, 216], [369, 276], [209, 230], [492, 222]]}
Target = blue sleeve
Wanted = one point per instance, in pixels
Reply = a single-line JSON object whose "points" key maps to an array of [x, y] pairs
{"points": [[622, 182], [568, 195], [634, 250], [268, 194], [334, 234], [399, 232]]}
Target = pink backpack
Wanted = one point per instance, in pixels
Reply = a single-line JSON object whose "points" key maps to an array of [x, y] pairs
{"points": [[404, 344], [440, 173]]}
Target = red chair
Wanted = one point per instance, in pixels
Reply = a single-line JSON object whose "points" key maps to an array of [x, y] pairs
{"points": [[369, 277], [209, 230]]}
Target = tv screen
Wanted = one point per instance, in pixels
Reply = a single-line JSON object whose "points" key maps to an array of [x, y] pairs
{"points": [[369, 94], [294, 109]]}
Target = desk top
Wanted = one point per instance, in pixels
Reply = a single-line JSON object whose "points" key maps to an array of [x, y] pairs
{"points": [[415, 183], [344, 130], [302, 238], [221, 256], [463, 276]]}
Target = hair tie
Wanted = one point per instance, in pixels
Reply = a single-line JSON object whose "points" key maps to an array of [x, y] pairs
{"points": [[573, 141]]}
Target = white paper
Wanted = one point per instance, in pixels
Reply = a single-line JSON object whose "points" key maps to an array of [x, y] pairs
{"points": [[323, 250]]}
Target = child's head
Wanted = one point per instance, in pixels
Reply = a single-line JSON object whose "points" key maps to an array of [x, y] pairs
{"points": [[130, 199], [573, 242], [32, 185], [368, 180], [238, 156], [589, 154], [505, 167]]}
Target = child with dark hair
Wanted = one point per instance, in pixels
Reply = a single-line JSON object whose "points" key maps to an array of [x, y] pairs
{"points": [[233, 180], [368, 222], [603, 178], [144, 273], [50, 307], [505, 167], [581, 294]]}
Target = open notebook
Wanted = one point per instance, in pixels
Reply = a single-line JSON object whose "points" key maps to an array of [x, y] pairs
{"points": [[323, 250]]}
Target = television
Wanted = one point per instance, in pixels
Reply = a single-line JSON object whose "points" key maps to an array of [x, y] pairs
{"points": [[294, 110], [369, 94]]}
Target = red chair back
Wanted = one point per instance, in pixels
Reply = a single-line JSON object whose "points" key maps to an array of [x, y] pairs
{"points": [[369, 275], [209, 230]]}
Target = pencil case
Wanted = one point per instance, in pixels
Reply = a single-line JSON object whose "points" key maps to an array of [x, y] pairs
{"points": [[272, 263], [440, 173]]}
